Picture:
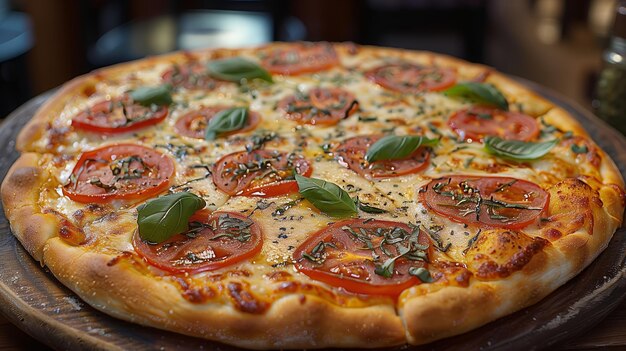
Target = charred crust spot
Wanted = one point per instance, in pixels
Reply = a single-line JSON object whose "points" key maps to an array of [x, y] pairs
{"points": [[244, 300], [553, 233], [94, 208], [68, 232], [278, 276], [451, 273], [115, 260], [88, 90], [233, 273], [195, 294]]}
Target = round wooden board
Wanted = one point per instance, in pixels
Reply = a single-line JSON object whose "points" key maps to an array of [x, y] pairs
{"points": [[35, 301]]}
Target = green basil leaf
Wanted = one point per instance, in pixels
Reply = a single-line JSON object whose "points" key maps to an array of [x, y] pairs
{"points": [[147, 96], [395, 147], [236, 68], [518, 150], [226, 121], [161, 218], [327, 197], [481, 93]]}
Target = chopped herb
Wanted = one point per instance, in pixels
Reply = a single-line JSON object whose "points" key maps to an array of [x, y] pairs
{"points": [[582, 149], [422, 274], [471, 242], [367, 208]]}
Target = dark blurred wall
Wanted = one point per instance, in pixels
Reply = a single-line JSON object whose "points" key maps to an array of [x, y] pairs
{"points": [[548, 41], [59, 51]]}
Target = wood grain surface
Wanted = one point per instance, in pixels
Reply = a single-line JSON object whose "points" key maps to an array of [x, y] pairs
{"points": [[34, 301]]}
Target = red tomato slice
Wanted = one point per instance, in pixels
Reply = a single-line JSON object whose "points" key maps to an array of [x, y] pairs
{"points": [[476, 123], [346, 254], [193, 124], [411, 78], [319, 106], [500, 202], [351, 154], [123, 172], [264, 173], [192, 76], [298, 58], [225, 238], [118, 116]]}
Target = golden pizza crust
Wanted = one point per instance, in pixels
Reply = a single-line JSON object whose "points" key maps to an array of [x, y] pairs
{"points": [[293, 321], [304, 320]]}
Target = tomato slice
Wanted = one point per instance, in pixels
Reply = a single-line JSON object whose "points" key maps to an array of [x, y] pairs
{"points": [[351, 154], [122, 171], [264, 173], [319, 106], [221, 240], [118, 116], [298, 58], [475, 123], [346, 254], [411, 78], [193, 124], [500, 202], [192, 76]]}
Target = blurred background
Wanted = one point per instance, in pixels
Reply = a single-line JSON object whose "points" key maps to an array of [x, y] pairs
{"points": [[556, 43]]}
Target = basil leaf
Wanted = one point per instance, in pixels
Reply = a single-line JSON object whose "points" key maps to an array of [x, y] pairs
{"points": [[327, 197], [395, 147], [226, 121], [163, 217], [236, 68], [148, 96], [422, 274], [518, 150], [481, 93]]}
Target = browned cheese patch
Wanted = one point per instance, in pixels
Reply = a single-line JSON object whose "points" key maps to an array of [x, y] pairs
{"points": [[498, 253], [571, 207]]}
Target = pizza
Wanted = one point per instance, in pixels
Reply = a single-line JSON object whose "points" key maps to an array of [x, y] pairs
{"points": [[308, 195]]}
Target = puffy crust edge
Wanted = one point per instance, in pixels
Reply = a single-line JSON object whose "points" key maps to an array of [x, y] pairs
{"points": [[20, 196], [459, 310], [293, 321]]}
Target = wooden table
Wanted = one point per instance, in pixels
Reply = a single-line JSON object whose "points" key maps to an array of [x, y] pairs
{"points": [[610, 334]]}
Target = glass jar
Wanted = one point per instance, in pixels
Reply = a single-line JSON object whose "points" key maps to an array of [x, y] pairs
{"points": [[610, 104]]}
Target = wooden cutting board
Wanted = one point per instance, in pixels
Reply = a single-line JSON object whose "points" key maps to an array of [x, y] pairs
{"points": [[34, 300]]}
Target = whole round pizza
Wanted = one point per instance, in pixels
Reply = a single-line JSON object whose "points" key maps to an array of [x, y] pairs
{"points": [[307, 195]]}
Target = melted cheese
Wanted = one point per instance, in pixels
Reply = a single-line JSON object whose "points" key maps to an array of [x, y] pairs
{"points": [[380, 111]]}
